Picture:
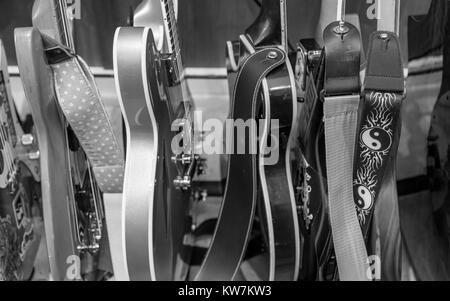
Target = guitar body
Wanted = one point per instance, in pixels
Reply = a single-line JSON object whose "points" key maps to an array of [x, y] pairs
{"points": [[57, 194], [149, 14], [272, 188], [20, 218], [157, 222], [72, 202], [276, 177]]}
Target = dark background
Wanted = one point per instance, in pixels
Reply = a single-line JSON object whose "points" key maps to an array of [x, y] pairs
{"points": [[205, 26]]}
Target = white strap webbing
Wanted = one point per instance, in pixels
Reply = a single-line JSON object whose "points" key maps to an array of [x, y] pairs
{"points": [[341, 117]]}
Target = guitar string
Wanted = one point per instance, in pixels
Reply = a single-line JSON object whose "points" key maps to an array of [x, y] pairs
{"points": [[8, 147], [10, 163], [5, 143], [9, 158], [174, 46], [67, 35]]}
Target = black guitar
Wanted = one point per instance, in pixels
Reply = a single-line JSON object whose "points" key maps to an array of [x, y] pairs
{"points": [[318, 258]]}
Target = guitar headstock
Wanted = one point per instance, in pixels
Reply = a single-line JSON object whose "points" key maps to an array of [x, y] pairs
{"points": [[51, 18]]}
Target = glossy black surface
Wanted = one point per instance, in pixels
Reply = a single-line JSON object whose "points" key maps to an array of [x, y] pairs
{"points": [[238, 208]]}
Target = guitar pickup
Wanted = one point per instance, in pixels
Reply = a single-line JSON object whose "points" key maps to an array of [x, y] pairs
{"points": [[172, 70]]}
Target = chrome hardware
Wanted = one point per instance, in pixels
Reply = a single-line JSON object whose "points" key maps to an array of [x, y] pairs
{"points": [[303, 195], [183, 183], [201, 167], [308, 218], [94, 236], [272, 55], [179, 123], [12, 180], [201, 196], [34, 155], [183, 159], [314, 55], [341, 29], [184, 179], [385, 39], [27, 139], [89, 240], [170, 63], [308, 54], [300, 69], [90, 249]]}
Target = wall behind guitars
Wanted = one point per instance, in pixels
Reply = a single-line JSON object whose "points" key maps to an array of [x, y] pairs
{"points": [[206, 25]]}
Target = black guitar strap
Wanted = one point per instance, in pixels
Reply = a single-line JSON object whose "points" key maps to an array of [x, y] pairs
{"points": [[379, 124], [374, 180], [238, 208]]}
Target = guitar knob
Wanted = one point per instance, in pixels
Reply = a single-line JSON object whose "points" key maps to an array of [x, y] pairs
{"points": [[34, 155], [27, 139]]}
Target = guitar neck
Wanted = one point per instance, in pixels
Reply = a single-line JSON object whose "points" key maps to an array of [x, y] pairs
{"points": [[270, 27], [173, 41], [51, 18]]}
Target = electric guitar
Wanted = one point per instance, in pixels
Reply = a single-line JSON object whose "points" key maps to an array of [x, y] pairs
{"points": [[20, 197], [259, 194], [318, 258], [80, 158], [156, 105]]}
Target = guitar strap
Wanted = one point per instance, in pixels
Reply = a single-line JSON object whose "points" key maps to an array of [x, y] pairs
{"points": [[80, 102], [342, 97], [377, 140], [238, 208]]}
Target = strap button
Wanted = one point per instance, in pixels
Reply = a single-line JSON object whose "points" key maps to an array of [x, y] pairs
{"points": [[272, 55]]}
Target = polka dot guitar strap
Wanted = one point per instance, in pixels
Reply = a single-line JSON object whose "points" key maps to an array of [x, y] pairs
{"points": [[81, 104], [379, 124]]}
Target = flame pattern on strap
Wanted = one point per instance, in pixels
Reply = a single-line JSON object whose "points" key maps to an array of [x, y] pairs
{"points": [[374, 145]]}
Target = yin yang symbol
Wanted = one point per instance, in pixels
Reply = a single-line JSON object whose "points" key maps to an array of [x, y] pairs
{"points": [[376, 139], [364, 199]]}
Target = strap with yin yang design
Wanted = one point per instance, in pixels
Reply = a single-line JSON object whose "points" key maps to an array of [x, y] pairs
{"points": [[379, 125]]}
